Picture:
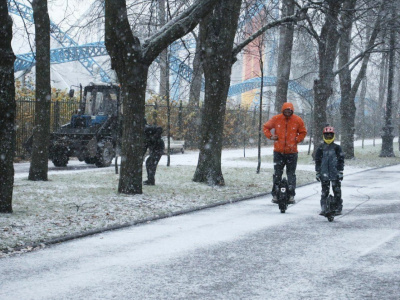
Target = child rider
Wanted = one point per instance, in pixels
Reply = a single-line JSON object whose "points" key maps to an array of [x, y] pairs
{"points": [[329, 165]]}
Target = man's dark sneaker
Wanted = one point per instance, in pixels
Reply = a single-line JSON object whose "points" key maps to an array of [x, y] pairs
{"points": [[291, 200], [322, 213], [274, 199], [148, 182]]}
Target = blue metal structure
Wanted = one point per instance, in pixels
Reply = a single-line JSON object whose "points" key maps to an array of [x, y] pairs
{"points": [[60, 36], [62, 55], [71, 51], [255, 83]]}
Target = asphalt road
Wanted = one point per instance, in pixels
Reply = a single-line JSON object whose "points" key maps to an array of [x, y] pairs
{"points": [[246, 250]]}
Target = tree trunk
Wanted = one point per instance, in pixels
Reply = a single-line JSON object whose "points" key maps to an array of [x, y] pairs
{"points": [[7, 111], [284, 56], [387, 135], [347, 104], [164, 54], [363, 92], [396, 112], [383, 71], [131, 60], [327, 45], [260, 107], [322, 92], [191, 134], [41, 132], [349, 92], [133, 127], [195, 86], [217, 64]]}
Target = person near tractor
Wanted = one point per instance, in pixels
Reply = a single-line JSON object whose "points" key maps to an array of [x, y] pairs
{"points": [[329, 165], [289, 131], [155, 144]]}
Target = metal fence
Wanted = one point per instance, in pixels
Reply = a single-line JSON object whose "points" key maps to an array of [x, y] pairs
{"points": [[61, 112], [240, 129]]}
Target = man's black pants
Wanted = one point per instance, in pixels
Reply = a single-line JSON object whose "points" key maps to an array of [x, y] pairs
{"points": [[280, 161], [337, 192], [151, 164]]}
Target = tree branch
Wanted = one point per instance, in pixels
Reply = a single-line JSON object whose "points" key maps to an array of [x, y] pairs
{"points": [[176, 28], [374, 34], [358, 57], [311, 29]]}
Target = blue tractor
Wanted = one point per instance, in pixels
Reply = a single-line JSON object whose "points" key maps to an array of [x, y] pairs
{"points": [[92, 134]]}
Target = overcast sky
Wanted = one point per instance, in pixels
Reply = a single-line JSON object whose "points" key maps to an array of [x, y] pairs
{"points": [[64, 13]]}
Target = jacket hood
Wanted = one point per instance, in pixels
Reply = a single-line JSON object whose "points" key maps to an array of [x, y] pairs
{"points": [[287, 105]]}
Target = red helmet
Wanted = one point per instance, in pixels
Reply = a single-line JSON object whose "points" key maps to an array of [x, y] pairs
{"points": [[329, 129]]}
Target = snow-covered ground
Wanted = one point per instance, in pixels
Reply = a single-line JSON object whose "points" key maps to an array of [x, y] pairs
{"points": [[247, 250], [82, 198]]}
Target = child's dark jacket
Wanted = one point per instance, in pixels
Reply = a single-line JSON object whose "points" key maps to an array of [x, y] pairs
{"points": [[329, 161]]}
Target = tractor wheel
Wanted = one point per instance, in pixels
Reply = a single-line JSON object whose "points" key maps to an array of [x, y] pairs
{"points": [[90, 160], [105, 154], [60, 157]]}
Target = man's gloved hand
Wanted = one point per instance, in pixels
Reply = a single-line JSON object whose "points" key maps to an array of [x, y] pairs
{"points": [[340, 175], [318, 177], [274, 137]]}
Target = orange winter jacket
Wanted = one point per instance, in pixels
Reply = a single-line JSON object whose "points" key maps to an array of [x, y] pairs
{"points": [[290, 130]]}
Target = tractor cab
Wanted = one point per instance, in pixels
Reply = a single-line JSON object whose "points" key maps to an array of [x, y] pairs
{"points": [[98, 104]]}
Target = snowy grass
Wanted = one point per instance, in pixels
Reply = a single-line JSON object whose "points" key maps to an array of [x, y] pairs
{"points": [[369, 157], [80, 201]]}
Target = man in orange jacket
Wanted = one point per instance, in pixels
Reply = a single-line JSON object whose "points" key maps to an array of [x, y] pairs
{"points": [[289, 131]]}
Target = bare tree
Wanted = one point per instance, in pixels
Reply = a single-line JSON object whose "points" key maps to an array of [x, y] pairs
{"points": [[284, 55], [191, 135], [162, 17], [217, 64], [217, 57], [41, 132], [7, 111], [327, 41], [349, 90], [131, 58], [363, 93], [387, 135], [197, 77], [260, 108]]}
